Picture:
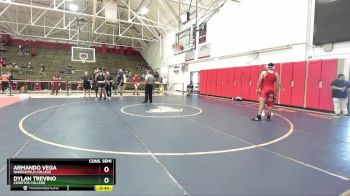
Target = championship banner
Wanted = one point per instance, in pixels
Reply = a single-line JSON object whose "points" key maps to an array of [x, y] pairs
{"points": [[202, 33], [204, 51]]}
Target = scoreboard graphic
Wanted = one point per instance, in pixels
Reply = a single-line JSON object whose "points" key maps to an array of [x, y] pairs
{"points": [[95, 174]]}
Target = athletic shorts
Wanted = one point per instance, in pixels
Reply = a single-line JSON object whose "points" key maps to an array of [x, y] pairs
{"points": [[101, 85], [87, 85]]}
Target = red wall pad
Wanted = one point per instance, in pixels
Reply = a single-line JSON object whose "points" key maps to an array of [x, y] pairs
{"points": [[218, 82], [209, 82], [245, 82], [212, 82], [224, 91], [221, 82], [286, 78], [313, 82], [254, 77], [298, 89], [203, 82], [238, 82], [278, 70], [328, 74], [231, 82]]}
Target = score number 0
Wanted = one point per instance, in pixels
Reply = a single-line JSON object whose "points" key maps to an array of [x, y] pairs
{"points": [[106, 179]]}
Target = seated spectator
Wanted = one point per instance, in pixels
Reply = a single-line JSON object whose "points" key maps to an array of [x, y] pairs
{"points": [[26, 51], [16, 67], [190, 88], [29, 66], [2, 49], [156, 75], [69, 69], [10, 66], [10, 76], [3, 62]]}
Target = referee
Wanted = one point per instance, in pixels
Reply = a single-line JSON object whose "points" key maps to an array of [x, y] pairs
{"points": [[149, 81]]}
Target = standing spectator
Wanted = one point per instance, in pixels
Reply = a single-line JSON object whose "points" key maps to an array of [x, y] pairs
{"points": [[56, 83], [10, 79], [42, 71], [340, 89], [136, 81], [164, 83], [109, 82], [121, 79], [149, 81], [86, 83]]}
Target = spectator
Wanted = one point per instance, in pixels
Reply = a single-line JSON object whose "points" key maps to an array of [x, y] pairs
{"points": [[20, 50], [121, 80], [42, 71], [2, 49], [3, 62], [16, 67], [56, 83], [149, 81], [164, 82], [29, 66], [190, 88], [86, 83], [156, 75], [340, 88]]}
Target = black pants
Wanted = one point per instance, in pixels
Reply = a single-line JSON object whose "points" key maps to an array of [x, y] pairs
{"points": [[148, 92], [109, 91]]}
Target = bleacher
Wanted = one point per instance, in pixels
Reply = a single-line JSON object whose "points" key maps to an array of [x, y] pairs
{"points": [[57, 59]]}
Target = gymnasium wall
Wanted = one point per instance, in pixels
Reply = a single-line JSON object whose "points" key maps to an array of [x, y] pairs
{"points": [[248, 26], [239, 30]]}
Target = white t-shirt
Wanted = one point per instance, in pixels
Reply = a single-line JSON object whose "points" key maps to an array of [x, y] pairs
{"points": [[149, 79]]}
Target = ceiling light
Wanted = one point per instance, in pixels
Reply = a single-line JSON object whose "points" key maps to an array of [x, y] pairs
{"points": [[144, 11], [73, 7]]}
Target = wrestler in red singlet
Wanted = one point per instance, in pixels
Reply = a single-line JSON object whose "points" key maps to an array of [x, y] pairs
{"points": [[267, 86]]}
